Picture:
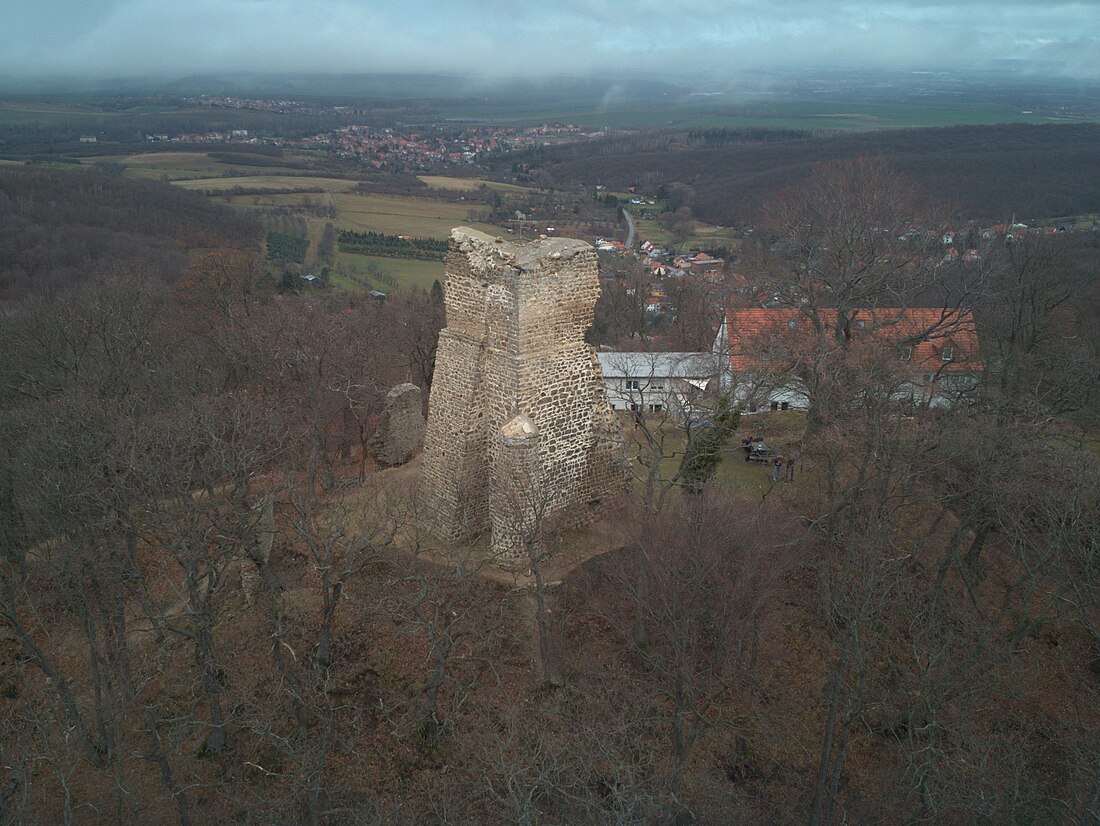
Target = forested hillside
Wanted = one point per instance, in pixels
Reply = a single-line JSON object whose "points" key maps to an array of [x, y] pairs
{"points": [[215, 607], [984, 172], [59, 228]]}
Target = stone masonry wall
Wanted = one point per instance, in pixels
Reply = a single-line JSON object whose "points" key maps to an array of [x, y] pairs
{"points": [[514, 472], [514, 346]]}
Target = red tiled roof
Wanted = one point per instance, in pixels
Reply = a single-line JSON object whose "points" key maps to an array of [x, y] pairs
{"points": [[927, 338]]}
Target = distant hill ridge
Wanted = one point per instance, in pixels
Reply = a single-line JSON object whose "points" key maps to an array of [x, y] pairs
{"points": [[985, 172]]}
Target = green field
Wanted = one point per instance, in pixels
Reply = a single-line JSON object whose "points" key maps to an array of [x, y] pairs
{"points": [[45, 113], [780, 115], [52, 113], [1079, 222], [400, 215], [467, 184], [390, 214], [266, 179], [405, 271], [705, 235], [171, 165], [187, 166]]}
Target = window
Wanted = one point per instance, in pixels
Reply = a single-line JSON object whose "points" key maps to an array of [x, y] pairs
{"points": [[947, 353], [907, 354], [656, 408], [792, 324], [657, 384], [860, 323], [775, 405], [785, 406], [633, 408], [633, 384]]}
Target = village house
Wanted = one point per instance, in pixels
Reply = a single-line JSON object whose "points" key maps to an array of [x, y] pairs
{"points": [[932, 352], [657, 382], [657, 268]]}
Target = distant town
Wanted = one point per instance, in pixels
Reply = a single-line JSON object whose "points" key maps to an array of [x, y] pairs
{"points": [[392, 149]]}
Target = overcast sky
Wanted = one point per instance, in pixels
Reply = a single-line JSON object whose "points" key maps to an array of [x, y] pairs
{"points": [[496, 37]]}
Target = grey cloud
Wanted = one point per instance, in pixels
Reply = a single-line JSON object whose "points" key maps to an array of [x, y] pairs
{"points": [[527, 37]]}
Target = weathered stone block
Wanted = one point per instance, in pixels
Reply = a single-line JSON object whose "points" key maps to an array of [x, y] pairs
{"points": [[401, 429]]}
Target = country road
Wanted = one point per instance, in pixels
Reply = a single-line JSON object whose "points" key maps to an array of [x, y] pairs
{"points": [[629, 230]]}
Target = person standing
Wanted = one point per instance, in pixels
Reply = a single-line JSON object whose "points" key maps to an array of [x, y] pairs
{"points": [[791, 457], [777, 470]]}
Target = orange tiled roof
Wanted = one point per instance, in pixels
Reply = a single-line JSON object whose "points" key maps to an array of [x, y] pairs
{"points": [[927, 338]]}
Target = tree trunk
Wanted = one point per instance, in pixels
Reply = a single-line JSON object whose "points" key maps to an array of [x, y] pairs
{"points": [[974, 552], [641, 600], [819, 814], [550, 675], [156, 755]]}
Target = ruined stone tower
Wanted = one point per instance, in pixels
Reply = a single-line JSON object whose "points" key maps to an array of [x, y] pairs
{"points": [[519, 426]]}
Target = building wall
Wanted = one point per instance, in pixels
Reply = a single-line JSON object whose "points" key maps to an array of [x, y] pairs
{"points": [[514, 347], [667, 393]]}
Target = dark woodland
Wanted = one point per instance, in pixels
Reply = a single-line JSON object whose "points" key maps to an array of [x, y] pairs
{"points": [[985, 173], [215, 607], [58, 229]]}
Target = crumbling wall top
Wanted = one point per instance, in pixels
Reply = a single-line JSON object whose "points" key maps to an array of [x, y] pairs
{"points": [[488, 254]]}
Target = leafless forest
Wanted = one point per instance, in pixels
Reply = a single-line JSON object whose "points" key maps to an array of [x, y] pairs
{"points": [[215, 607]]}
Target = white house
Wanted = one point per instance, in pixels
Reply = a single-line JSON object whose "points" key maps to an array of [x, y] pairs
{"points": [[656, 382]]}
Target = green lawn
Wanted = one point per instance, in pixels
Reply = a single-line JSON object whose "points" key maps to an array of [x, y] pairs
{"points": [[405, 271], [780, 429]]}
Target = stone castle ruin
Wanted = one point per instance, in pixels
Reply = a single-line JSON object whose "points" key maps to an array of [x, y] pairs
{"points": [[519, 427]]}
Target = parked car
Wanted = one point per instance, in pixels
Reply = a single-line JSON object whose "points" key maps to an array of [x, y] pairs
{"points": [[760, 452]]}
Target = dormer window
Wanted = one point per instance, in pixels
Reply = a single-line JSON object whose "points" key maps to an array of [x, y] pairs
{"points": [[792, 324], [947, 354], [907, 354], [860, 323]]}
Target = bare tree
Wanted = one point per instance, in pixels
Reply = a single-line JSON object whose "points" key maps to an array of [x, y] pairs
{"points": [[204, 462], [442, 609], [714, 566], [1039, 363], [856, 239], [564, 766]]}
